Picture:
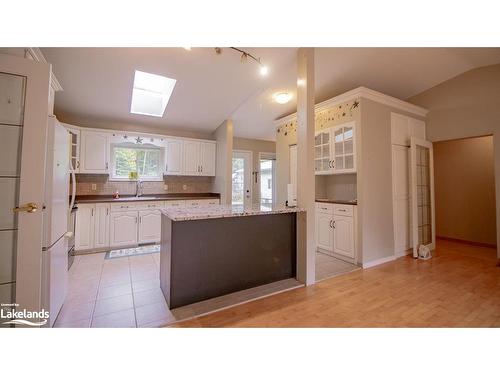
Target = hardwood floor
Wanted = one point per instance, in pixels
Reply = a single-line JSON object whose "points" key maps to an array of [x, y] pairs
{"points": [[458, 287]]}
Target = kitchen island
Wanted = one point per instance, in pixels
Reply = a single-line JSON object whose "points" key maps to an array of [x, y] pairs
{"points": [[208, 252]]}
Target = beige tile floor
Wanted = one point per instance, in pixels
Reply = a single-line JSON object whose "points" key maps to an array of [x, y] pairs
{"points": [[328, 266], [120, 292], [125, 293]]}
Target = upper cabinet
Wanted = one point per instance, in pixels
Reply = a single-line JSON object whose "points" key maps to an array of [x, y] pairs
{"points": [[94, 152], [405, 127], [335, 150], [74, 151], [199, 158], [173, 156]]}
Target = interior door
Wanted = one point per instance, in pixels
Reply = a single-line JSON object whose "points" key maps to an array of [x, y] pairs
{"points": [[422, 187], [242, 178], [24, 91]]}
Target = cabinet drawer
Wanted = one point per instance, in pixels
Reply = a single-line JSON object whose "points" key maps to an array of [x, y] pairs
{"points": [[324, 207], [202, 202], [175, 203], [123, 206], [152, 205], [343, 209]]}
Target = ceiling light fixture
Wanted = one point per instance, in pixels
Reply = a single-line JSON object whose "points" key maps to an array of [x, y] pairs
{"points": [[264, 70], [282, 97]]}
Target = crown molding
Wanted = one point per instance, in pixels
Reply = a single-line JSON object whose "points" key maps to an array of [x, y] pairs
{"points": [[362, 92], [36, 54]]}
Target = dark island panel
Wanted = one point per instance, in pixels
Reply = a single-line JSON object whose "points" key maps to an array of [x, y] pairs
{"points": [[203, 259]]}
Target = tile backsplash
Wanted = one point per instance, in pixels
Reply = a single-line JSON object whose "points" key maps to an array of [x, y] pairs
{"points": [[175, 184]]}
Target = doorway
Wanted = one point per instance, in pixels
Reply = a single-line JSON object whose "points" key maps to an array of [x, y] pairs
{"points": [[267, 166], [465, 190], [241, 178]]}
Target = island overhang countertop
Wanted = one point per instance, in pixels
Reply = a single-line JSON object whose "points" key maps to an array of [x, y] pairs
{"points": [[221, 211]]}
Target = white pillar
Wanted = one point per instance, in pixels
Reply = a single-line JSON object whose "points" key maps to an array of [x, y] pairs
{"points": [[306, 250]]}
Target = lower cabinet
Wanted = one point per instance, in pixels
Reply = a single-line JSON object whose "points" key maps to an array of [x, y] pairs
{"points": [[343, 236], [123, 228], [149, 226], [103, 225], [92, 226], [335, 234], [324, 231]]}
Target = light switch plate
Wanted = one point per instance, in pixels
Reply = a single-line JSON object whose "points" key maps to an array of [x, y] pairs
{"points": [[94, 187], [184, 187], [165, 187]]}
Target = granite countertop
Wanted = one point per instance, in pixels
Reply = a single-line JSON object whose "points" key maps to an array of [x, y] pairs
{"points": [[220, 211], [145, 197], [337, 201]]}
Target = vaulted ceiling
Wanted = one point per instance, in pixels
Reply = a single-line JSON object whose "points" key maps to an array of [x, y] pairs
{"points": [[210, 88]]}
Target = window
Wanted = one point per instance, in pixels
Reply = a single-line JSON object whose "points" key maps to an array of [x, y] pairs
{"points": [[151, 93], [145, 161]]}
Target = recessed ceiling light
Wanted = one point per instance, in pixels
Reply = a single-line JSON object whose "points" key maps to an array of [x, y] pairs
{"points": [[151, 93], [282, 97], [264, 70]]}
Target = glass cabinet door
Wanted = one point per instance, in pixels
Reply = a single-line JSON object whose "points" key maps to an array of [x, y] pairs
{"points": [[322, 151]]}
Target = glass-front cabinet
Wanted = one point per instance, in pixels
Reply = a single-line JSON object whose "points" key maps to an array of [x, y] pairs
{"points": [[74, 152], [335, 150]]}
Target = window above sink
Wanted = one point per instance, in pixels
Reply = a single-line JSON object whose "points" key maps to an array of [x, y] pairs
{"points": [[128, 159]]}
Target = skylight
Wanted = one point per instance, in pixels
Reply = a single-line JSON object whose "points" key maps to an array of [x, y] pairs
{"points": [[151, 94]]}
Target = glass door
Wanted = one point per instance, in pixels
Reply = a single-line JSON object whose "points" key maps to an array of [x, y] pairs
{"points": [[267, 180], [24, 88], [241, 178], [422, 187]]}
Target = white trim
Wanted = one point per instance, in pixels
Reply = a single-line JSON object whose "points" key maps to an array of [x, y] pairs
{"points": [[376, 262], [403, 253], [362, 92], [37, 55]]}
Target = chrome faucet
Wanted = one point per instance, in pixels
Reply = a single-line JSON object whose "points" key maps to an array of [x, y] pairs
{"points": [[138, 188]]}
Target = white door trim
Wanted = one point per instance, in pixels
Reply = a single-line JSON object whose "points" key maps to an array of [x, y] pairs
{"points": [[248, 173]]}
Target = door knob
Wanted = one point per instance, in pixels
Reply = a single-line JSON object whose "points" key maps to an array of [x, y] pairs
{"points": [[30, 207]]}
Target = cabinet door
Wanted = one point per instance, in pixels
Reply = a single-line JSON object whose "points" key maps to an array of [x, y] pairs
{"points": [[207, 158], [84, 232], [173, 157], [74, 152], [191, 158], [323, 161], [343, 236], [94, 152], [324, 231], [123, 229], [101, 225], [149, 226]]}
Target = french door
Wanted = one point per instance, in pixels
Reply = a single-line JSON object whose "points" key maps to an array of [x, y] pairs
{"points": [[242, 178], [422, 192], [24, 88]]}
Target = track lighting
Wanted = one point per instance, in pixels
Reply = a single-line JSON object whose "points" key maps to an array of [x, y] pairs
{"points": [[263, 69]]}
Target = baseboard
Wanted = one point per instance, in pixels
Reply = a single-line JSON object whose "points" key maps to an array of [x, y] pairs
{"points": [[403, 253], [376, 262], [467, 242]]}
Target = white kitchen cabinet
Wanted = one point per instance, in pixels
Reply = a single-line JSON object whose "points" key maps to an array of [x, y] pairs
{"points": [[84, 232], [149, 226], [201, 202], [173, 156], [335, 150], [207, 158], [199, 158], [101, 225], [123, 228], [94, 152], [191, 158], [74, 151], [324, 231], [343, 235]]}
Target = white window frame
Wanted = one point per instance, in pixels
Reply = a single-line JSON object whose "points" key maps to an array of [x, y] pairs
{"points": [[147, 146]]}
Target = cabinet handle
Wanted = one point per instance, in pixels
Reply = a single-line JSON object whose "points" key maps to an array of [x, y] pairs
{"points": [[140, 219], [106, 165], [166, 167], [78, 163], [201, 167], [107, 211], [331, 223], [136, 219], [92, 212]]}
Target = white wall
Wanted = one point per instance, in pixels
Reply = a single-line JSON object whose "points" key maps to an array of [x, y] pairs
{"points": [[224, 137]]}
